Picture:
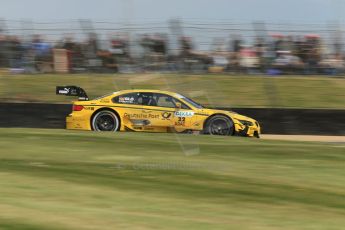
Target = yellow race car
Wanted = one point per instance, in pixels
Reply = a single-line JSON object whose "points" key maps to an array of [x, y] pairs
{"points": [[152, 111]]}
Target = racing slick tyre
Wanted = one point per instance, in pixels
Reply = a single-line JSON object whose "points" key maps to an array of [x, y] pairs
{"points": [[219, 125], [105, 120]]}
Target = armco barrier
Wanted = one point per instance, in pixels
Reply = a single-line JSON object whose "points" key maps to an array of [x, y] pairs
{"points": [[273, 121], [33, 115]]}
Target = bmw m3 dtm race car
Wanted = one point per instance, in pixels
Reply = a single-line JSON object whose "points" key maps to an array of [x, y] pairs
{"points": [[152, 111]]}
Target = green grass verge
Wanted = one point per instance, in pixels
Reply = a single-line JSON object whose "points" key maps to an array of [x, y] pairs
{"points": [[58, 179], [214, 90]]}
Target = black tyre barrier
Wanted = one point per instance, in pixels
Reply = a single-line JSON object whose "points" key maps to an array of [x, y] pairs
{"points": [[272, 120], [298, 121], [33, 115]]}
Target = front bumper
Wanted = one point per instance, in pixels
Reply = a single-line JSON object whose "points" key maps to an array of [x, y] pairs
{"points": [[247, 131]]}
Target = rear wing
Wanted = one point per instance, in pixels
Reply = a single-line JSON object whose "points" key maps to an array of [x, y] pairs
{"points": [[72, 91]]}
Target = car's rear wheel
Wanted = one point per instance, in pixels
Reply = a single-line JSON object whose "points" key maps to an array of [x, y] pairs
{"points": [[105, 121], [219, 125]]}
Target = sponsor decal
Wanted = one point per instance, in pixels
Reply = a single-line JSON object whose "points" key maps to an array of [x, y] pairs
{"points": [[89, 108], [140, 122], [166, 116], [127, 100], [64, 91], [181, 121], [184, 114], [196, 124], [141, 116]]}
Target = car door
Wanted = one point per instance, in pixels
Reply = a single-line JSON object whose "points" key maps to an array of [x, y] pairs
{"points": [[176, 114], [158, 110], [183, 116], [140, 112]]}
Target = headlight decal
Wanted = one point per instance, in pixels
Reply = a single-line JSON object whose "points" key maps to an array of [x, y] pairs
{"points": [[246, 123]]}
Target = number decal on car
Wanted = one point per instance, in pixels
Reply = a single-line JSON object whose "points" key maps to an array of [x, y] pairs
{"points": [[181, 121]]}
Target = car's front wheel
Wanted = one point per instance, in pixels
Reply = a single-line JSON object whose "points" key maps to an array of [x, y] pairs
{"points": [[219, 125], [105, 121]]}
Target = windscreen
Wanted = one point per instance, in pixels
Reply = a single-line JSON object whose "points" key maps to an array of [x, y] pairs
{"points": [[190, 101]]}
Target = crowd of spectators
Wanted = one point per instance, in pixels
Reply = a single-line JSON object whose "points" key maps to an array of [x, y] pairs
{"points": [[275, 54]]}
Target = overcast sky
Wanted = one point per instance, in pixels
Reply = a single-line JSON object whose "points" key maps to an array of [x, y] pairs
{"points": [[300, 11]]}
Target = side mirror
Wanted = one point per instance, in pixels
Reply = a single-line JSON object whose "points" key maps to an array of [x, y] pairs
{"points": [[178, 105]]}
